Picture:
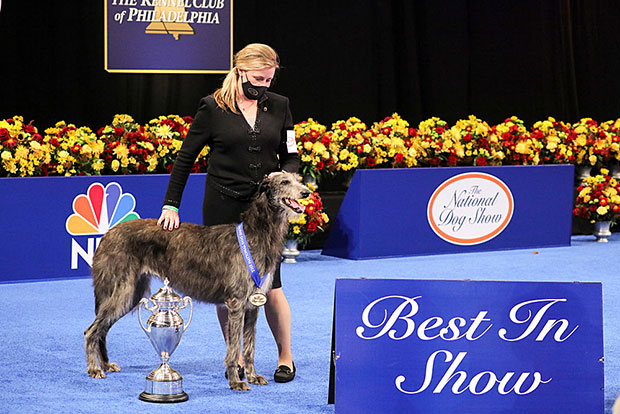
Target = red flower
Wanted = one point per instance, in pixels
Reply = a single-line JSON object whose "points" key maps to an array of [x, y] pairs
{"points": [[343, 126], [30, 129], [481, 161], [314, 134], [4, 134], [311, 226], [371, 162], [387, 130], [118, 131], [439, 130], [398, 158], [412, 132], [320, 165], [325, 140], [467, 138], [54, 142], [452, 159]]}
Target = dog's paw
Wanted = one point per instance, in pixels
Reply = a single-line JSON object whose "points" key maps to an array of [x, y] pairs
{"points": [[112, 367], [239, 386], [257, 380], [96, 372]]}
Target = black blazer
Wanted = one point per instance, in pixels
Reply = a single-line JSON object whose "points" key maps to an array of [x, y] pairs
{"points": [[240, 156]]}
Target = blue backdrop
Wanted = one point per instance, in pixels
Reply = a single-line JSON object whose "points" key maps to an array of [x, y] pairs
{"points": [[384, 212], [36, 243]]}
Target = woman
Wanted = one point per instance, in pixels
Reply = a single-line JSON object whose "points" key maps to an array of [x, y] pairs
{"points": [[247, 129]]}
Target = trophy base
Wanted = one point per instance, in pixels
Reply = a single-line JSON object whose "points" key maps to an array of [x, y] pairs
{"points": [[163, 398], [164, 385]]}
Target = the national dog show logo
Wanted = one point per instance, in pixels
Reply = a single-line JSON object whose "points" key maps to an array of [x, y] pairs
{"points": [[470, 208], [95, 212]]}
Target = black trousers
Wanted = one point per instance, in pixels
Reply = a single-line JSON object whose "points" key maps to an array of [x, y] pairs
{"points": [[219, 208]]}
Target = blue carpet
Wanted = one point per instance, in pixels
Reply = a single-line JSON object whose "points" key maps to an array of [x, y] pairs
{"points": [[43, 365]]}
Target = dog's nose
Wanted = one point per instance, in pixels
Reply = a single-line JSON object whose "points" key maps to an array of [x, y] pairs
{"points": [[305, 194]]}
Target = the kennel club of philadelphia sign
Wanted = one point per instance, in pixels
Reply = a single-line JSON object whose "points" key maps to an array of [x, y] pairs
{"points": [[437, 346], [168, 36]]}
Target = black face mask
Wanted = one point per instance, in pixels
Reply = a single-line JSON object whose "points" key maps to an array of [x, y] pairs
{"points": [[253, 92]]}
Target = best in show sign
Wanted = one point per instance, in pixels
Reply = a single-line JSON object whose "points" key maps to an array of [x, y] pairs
{"points": [[429, 346], [168, 36], [418, 211]]}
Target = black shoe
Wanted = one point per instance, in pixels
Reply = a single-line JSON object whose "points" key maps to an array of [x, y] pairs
{"points": [[240, 370], [284, 373]]}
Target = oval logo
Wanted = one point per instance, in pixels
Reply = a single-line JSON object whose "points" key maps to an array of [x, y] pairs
{"points": [[470, 208]]}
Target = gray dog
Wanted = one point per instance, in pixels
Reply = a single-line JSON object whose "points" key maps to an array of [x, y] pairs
{"points": [[205, 263]]}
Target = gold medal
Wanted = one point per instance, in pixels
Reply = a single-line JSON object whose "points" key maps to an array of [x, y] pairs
{"points": [[258, 298]]}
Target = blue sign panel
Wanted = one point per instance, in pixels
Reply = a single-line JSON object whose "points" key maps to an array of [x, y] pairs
{"points": [[168, 36], [52, 225], [418, 211], [434, 346]]}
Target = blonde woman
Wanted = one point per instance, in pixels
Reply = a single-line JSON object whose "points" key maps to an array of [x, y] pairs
{"points": [[247, 129]]}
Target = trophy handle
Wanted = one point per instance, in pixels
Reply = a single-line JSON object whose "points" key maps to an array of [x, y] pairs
{"points": [[145, 302], [191, 310]]}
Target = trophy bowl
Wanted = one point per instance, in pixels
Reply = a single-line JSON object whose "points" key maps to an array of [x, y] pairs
{"points": [[164, 328]]}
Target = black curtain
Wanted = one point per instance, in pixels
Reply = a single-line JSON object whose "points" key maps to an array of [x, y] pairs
{"points": [[494, 59]]}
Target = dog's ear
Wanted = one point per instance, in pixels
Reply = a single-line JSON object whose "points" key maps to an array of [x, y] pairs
{"points": [[264, 185]]}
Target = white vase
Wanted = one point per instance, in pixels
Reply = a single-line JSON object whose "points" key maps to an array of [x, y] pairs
{"points": [[614, 170], [290, 251], [582, 172], [310, 180], [601, 231]]}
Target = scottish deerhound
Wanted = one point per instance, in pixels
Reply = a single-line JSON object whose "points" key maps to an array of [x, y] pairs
{"points": [[203, 262]]}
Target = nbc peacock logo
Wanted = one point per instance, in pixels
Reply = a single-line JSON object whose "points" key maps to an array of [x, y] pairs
{"points": [[96, 212]]}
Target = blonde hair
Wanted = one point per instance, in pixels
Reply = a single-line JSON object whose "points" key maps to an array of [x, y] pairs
{"points": [[255, 56]]}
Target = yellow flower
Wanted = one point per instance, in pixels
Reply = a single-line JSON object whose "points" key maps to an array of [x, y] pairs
{"points": [[296, 230], [602, 210], [115, 165], [6, 155], [605, 171], [121, 151], [593, 159]]}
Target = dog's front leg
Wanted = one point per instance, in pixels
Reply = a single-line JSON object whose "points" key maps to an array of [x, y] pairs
{"points": [[233, 343], [249, 340]]}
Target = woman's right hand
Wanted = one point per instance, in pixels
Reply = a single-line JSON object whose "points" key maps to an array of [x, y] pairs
{"points": [[169, 219]]}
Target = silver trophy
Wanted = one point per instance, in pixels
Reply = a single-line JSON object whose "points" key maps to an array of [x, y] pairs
{"points": [[165, 328]]}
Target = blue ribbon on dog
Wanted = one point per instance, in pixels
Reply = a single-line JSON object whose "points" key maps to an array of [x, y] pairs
{"points": [[247, 256]]}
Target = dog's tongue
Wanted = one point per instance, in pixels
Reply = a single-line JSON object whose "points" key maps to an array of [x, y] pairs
{"points": [[297, 204]]}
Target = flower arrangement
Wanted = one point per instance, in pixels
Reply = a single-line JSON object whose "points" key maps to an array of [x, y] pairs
{"points": [[598, 198], [168, 133], [394, 144], [612, 129], [73, 150], [22, 152], [353, 143], [436, 147], [317, 149], [312, 221], [553, 137], [471, 137], [516, 145], [128, 148], [589, 143]]}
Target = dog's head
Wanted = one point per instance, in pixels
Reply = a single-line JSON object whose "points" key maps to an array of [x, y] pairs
{"points": [[283, 190]]}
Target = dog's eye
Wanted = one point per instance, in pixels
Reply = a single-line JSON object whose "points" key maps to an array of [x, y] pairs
{"points": [[286, 182]]}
